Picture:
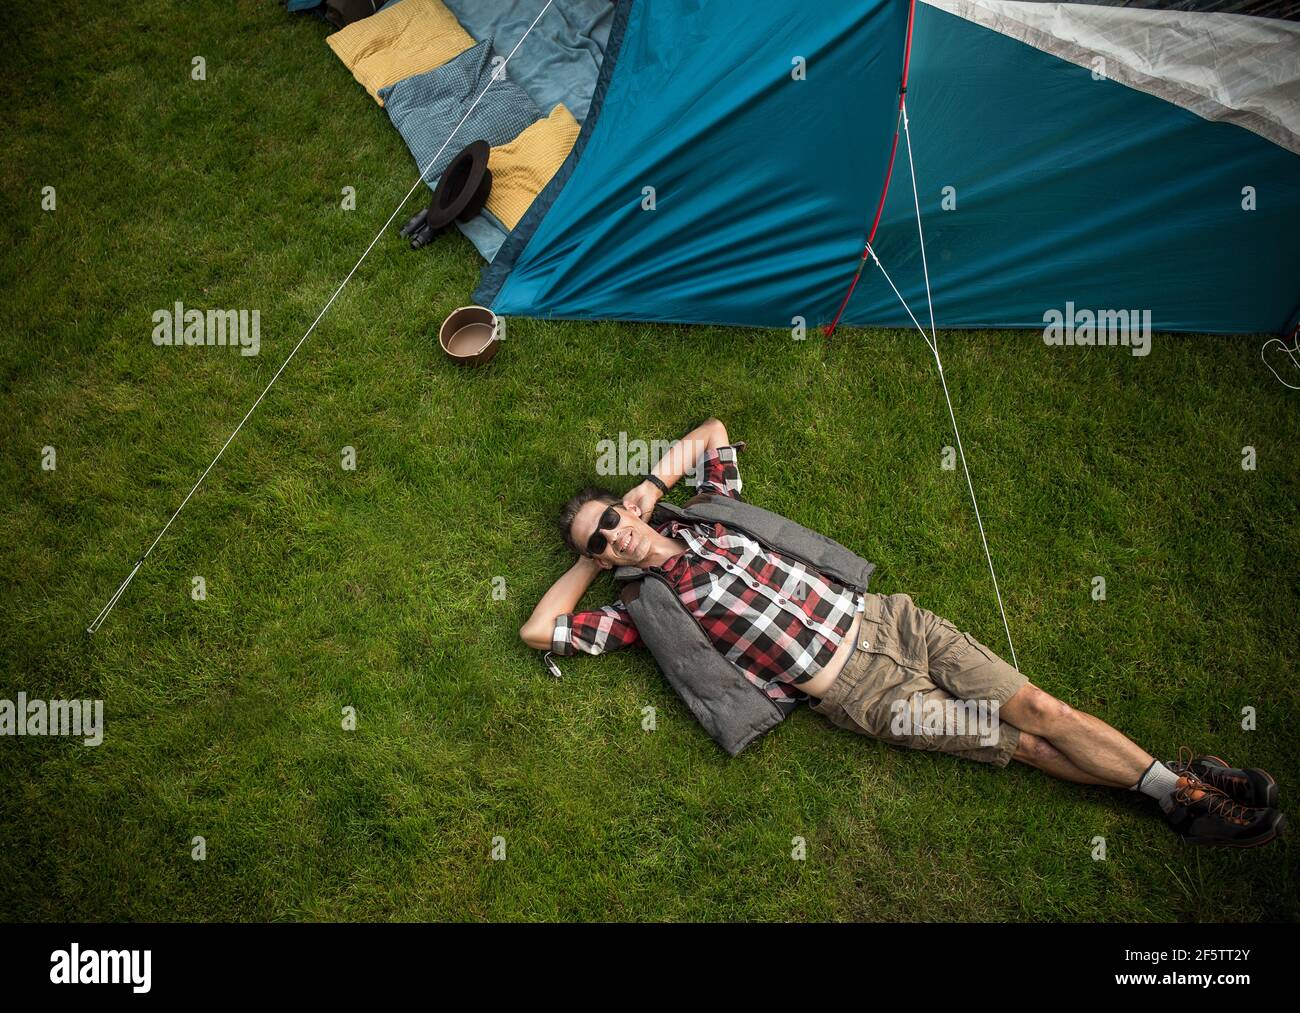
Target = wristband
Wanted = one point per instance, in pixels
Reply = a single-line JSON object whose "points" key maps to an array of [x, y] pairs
{"points": [[657, 481]]}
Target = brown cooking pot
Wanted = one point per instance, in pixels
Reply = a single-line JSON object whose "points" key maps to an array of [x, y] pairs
{"points": [[471, 335]]}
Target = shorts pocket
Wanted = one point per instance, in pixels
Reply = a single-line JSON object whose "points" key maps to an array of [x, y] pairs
{"points": [[886, 688], [948, 646], [901, 633]]}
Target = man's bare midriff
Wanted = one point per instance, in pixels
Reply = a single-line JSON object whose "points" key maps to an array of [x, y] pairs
{"points": [[819, 685]]}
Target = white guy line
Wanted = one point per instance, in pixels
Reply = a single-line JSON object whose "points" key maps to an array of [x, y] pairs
{"points": [[497, 74], [916, 202], [960, 450], [934, 347], [1289, 351]]}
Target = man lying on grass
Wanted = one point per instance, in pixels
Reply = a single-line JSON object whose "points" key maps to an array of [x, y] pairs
{"points": [[748, 614]]}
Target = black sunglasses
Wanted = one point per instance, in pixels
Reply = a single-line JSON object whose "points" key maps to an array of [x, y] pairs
{"points": [[597, 542]]}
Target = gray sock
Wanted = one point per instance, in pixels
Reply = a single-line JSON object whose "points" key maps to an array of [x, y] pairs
{"points": [[1159, 782]]}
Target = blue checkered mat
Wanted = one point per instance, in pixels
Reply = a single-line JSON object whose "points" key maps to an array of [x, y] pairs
{"points": [[426, 108]]}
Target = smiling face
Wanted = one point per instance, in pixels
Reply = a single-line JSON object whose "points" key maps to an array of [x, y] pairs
{"points": [[627, 543]]}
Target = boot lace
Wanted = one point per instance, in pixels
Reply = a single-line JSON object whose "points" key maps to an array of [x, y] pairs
{"points": [[1215, 776], [1217, 802]]}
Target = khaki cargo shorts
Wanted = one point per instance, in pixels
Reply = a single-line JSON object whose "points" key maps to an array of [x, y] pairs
{"points": [[915, 680]]}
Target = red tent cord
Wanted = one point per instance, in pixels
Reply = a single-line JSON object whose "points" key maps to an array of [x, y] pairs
{"points": [[889, 172]]}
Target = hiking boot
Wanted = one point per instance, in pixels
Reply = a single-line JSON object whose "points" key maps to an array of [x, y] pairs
{"points": [[1202, 814], [1251, 786]]}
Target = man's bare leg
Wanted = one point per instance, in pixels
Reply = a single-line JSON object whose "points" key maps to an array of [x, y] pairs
{"points": [[1035, 751], [1081, 748], [1088, 744]]}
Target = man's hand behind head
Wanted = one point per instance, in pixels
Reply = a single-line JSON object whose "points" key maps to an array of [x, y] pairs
{"points": [[641, 499]]}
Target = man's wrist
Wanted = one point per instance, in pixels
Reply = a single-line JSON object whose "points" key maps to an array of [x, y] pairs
{"points": [[658, 483]]}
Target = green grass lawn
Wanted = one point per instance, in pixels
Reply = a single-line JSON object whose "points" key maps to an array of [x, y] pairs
{"points": [[373, 588]]}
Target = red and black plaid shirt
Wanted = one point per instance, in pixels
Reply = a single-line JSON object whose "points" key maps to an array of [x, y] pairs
{"points": [[777, 619]]}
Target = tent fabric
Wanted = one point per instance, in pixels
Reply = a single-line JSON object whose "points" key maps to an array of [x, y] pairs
{"points": [[523, 166], [1039, 184], [1136, 155], [399, 42], [760, 175], [1220, 66], [426, 108], [1071, 189]]}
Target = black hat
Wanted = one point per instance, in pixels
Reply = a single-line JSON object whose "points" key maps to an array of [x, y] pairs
{"points": [[341, 13], [463, 189]]}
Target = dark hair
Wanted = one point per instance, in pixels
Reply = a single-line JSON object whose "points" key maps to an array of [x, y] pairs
{"points": [[571, 508]]}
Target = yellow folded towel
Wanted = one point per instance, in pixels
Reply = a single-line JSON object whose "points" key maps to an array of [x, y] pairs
{"points": [[521, 168], [400, 42]]}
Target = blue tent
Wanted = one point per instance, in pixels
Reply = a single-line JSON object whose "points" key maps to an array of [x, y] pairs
{"points": [[1114, 155]]}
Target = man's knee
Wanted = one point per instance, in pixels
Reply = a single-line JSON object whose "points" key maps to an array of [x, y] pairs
{"points": [[1031, 708]]}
